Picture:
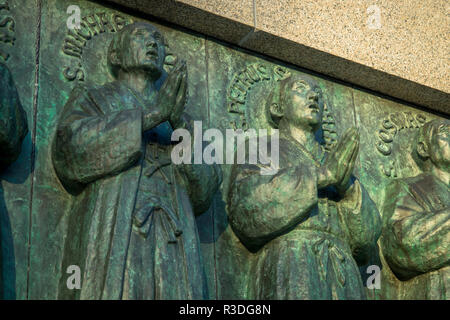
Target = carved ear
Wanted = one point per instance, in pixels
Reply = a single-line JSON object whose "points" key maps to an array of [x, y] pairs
{"points": [[422, 150], [276, 110]]}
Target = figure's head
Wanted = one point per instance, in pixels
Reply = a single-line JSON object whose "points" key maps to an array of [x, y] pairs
{"points": [[433, 143], [138, 46], [296, 100]]}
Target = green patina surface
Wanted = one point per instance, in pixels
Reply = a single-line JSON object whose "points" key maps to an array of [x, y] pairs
{"points": [[255, 227]]}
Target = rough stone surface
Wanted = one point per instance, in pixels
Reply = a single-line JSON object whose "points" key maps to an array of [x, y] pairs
{"points": [[405, 58]]}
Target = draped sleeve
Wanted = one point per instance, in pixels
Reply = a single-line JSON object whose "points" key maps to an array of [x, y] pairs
{"points": [[416, 230], [262, 207], [91, 142]]}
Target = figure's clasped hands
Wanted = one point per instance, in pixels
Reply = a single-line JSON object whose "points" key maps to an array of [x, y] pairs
{"points": [[338, 166], [172, 95]]}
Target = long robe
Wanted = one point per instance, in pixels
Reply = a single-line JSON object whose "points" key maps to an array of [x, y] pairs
{"points": [[13, 119], [416, 236], [99, 154], [13, 129], [305, 244]]}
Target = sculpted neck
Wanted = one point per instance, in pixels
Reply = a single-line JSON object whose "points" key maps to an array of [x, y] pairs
{"points": [[139, 81], [304, 136]]}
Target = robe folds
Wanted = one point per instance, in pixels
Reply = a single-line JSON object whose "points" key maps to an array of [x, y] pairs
{"points": [[13, 119], [305, 243], [13, 129], [131, 227]]}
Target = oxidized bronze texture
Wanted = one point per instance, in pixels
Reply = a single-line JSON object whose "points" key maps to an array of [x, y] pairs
{"points": [[362, 181]]}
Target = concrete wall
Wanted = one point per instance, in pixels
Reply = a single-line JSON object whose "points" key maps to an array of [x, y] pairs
{"points": [[403, 54]]}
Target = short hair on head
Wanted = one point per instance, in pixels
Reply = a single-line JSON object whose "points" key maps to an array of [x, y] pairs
{"points": [[427, 131], [118, 41], [278, 95]]}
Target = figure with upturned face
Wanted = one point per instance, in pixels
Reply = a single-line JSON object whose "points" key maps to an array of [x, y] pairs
{"points": [[311, 223], [132, 227], [416, 218]]}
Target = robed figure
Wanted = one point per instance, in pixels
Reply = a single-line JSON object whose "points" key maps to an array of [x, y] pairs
{"points": [[416, 219], [13, 129], [131, 229], [13, 119], [310, 223]]}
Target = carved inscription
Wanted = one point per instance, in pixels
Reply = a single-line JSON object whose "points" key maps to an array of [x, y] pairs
{"points": [[7, 28], [244, 80], [241, 84], [390, 127], [394, 123], [91, 26], [329, 127], [76, 39]]}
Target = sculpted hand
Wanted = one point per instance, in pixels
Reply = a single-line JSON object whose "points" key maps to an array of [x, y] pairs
{"points": [[344, 183], [170, 100], [339, 165], [169, 95]]}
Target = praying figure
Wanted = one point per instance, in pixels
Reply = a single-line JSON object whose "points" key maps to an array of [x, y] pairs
{"points": [[13, 119], [132, 229], [416, 218], [311, 223], [13, 129]]}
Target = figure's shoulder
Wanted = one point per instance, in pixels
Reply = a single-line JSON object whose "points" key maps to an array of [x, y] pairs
{"points": [[81, 94], [82, 91], [94, 88], [293, 153], [285, 143], [419, 180], [108, 86], [411, 187]]}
